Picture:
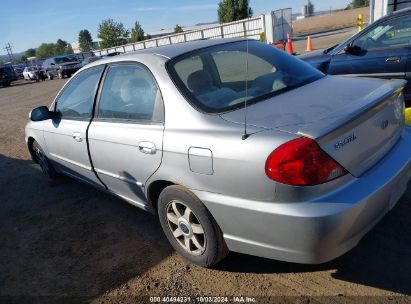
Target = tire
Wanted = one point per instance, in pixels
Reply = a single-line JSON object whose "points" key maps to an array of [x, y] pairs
{"points": [[190, 228], [68, 75], [7, 84], [46, 167]]}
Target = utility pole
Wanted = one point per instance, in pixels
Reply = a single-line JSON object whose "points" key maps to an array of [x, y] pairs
{"points": [[9, 51]]}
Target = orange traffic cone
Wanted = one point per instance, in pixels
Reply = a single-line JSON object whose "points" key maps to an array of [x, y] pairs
{"points": [[309, 45], [289, 44]]}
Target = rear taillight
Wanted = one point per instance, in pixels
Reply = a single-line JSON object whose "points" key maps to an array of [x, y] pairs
{"points": [[301, 162]]}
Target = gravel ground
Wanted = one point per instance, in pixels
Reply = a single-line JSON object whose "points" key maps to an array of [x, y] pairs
{"points": [[71, 240], [324, 41]]}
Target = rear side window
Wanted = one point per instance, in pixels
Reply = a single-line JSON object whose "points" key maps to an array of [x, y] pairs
{"points": [[130, 93], [76, 100]]}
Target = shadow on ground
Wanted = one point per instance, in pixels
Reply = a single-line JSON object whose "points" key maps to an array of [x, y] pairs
{"points": [[74, 240], [69, 239]]}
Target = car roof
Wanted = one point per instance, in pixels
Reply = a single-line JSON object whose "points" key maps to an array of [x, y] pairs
{"points": [[173, 50], [166, 52]]}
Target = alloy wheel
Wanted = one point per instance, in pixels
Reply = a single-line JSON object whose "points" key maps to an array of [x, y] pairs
{"points": [[185, 227]]}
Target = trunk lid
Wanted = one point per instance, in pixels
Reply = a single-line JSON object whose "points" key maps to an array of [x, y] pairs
{"points": [[355, 120]]}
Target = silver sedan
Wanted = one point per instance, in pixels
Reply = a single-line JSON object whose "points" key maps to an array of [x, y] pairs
{"points": [[235, 145]]}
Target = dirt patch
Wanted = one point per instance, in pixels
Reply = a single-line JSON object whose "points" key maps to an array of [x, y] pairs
{"points": [[72, 240], [331, 21]]}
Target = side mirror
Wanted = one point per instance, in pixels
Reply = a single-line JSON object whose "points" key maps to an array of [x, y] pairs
{"points": [[40, 114], [352, 49]]}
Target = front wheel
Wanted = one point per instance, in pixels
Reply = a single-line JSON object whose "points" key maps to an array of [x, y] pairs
{"points": [[190, 228], [46, 167]]}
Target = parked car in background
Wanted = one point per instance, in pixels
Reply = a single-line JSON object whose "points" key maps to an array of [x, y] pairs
{"points": [[381, 50], [19, 72], [111, 54], [90, 60], [60, 66], [319, 161], [34, 73], [7, 75]]}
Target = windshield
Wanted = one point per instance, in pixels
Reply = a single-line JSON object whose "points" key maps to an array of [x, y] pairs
{"points": [[63, 59], [216, 80]]}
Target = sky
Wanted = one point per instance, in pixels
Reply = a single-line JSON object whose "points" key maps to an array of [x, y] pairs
{"points": [[27, 24]]}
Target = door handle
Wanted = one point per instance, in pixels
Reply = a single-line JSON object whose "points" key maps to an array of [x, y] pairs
{"points": [[390, 60], [147, 147], [77, 137]]}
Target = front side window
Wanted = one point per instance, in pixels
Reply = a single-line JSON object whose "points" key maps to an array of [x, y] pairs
{"points": [[130, 93], [76, 100], [221, 78], [391, 33]]}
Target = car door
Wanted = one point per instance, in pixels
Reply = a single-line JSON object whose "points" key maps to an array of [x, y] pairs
{"points": [[65, 135], [126, 135], [382, 51]]}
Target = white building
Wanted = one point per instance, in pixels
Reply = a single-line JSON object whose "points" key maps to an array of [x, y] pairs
{"points": [[380, 8]]}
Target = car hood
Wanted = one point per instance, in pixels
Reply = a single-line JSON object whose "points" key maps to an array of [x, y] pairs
{"points": [[316, 58], [318, 107]]}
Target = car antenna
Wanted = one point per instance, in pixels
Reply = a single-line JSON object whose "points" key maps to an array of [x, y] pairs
{"points": [[245, 134]]}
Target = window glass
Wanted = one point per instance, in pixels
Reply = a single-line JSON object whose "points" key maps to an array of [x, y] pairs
{"points": [[185, 67], [130, 92], [231, 66], [76, 101], [391, 33], [233, 73]]}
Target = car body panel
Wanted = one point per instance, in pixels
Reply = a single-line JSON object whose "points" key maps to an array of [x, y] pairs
{"points": [[314, 230], [69, 153], [208, 154], [388, 63], [347, 102], [125, 175]]}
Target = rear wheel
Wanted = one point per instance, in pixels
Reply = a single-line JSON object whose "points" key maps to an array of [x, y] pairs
{"points": [[45, 165], [190, 228]]}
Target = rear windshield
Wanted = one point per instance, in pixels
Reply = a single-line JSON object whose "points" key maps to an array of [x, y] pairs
{"points": [[221, 78]]}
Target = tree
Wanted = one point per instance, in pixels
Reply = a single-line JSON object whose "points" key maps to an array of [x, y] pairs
{"points": [[46, 50], [23, 58], [85, 41], [178, 29], [30, 53], [137, 32], [61, 47], [232, 10], [68, 50], [112, 33], [358, 3]]}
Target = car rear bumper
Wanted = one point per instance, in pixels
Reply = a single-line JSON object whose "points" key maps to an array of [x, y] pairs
{"points": [[69, 71], [319, 230]]}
